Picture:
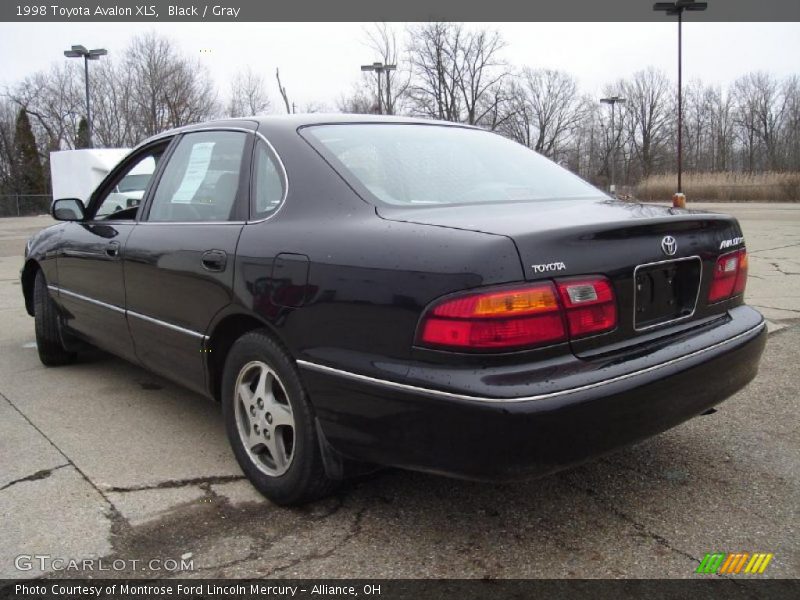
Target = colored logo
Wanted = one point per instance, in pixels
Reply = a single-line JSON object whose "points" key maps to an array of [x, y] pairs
{"points": [[735, 563]]}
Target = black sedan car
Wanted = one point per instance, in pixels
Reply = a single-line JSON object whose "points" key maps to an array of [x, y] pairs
{"points": [[361, 291]]}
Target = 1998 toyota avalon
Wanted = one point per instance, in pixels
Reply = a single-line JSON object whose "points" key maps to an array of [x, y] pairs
{"points": [[380, 291]]}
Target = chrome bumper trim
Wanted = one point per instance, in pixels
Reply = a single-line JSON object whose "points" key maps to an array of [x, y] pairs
{"points": [[452, 396]]}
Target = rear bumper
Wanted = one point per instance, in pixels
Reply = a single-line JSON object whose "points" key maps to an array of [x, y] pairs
{"points": [[546, 425]]}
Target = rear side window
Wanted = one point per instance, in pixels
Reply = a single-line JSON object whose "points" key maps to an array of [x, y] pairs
{"points": [[268, 185], [201, 179]]}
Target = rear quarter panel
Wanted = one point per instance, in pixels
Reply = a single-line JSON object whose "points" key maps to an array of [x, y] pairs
{"points": [[368, 279]]}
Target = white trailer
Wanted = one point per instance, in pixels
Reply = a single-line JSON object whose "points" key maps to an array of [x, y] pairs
{"points": [[76, 173]]}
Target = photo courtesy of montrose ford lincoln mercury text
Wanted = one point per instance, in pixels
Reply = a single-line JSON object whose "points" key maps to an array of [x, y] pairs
{"points": [[362, 291]]}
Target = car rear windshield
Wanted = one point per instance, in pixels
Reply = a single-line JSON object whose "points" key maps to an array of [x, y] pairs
{"points": [[416, 165]]}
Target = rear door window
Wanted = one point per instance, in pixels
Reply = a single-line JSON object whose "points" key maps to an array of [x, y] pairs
{"points": [[202, 178]]}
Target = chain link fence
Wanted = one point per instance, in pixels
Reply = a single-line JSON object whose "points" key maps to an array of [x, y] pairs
{"points": [[24, 205]]}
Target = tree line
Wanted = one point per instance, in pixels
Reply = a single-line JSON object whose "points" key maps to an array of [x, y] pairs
{"points": [[446, 71]]}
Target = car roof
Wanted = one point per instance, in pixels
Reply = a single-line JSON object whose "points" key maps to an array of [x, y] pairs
{"points": [[295, 121], [302, 120]]}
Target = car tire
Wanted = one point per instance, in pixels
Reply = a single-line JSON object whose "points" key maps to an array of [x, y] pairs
{"points": [[49, 343], [270, 422]]}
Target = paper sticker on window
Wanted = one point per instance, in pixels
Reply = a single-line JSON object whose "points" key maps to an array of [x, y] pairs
{"points": [[195, 173]]}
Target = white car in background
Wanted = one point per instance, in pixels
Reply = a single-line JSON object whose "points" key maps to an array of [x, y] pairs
{"points": [[130, 191]]}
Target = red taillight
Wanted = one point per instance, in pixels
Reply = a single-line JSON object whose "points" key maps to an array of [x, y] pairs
{"points": [[730, 276], [589, 305], [506, 319], [521, 317]]}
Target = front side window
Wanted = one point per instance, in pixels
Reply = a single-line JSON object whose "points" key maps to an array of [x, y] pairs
{"points": [[416, 165], [123, 200], [201, 179]]}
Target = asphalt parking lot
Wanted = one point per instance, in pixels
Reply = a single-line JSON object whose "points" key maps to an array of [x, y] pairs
{"points": [[101, 459]]}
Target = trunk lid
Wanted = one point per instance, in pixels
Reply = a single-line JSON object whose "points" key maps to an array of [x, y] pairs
{"points": [[620, 240]]}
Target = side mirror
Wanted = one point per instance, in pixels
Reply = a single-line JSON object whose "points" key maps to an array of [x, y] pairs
{"points": [[67, 209]]}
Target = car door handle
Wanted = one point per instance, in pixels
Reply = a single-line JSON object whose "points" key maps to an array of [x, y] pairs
{"points": [[214, 260], [112, 249]]}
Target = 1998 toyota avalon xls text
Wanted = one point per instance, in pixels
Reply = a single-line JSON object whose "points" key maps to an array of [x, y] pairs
{"points": [[378, 291]]}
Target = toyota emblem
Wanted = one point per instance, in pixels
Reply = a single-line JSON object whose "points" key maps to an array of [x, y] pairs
{"points": [[669, 245]]}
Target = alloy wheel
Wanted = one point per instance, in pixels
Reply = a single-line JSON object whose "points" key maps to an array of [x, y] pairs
{"points": [[264, 418]]}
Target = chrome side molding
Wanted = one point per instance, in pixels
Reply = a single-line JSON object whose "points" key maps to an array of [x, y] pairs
{"points": [[128, 313]]}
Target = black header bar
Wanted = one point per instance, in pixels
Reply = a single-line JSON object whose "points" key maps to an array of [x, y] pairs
{"points": [[376, 10]]}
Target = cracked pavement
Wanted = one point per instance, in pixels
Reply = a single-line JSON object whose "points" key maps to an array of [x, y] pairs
{"points": [[101, 459]]}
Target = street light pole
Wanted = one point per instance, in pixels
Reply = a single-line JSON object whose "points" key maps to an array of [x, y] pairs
{"points": [[79, 51], [380, 94], [680, 101], [612, 100], [676, 9], [88, 107], [379, 68]]}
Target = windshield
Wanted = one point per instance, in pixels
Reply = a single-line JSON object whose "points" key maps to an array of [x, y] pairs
{"points": [[417, 165]]}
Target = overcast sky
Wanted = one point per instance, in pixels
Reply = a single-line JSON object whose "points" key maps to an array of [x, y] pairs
{"points": [[320, 61]]}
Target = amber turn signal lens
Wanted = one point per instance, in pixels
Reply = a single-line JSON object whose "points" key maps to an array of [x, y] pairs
{"points": [[516, 303], [505, 319]]}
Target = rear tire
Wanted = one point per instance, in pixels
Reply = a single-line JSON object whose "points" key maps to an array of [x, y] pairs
{"points": [[270, 422], [49, 344]]}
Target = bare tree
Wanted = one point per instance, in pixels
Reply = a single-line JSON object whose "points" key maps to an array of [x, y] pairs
{"points": [[481, 73], [7, 125], [152, 88], [248, 95], [548, 109], [114, 119], [433, 54], [791, 124], [314, 107], [381, 38], [591, 149], [610, 137], [54, 100], [457, 73], [649, 117], [518, 124], [448, 71], [496, 107], [759, 109], [696, 127], [167, 90], [359, 101], [720, 114]]}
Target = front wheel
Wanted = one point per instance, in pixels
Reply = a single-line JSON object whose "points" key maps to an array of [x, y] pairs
{"points": [[49, 342], [270, 424]]}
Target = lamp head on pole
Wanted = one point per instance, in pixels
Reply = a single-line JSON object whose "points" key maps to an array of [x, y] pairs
{"points": [[378, 67], [677, 7], [79, 51]]}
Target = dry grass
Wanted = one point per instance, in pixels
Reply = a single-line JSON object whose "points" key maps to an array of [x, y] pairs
{"points": [[724, 187]]}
